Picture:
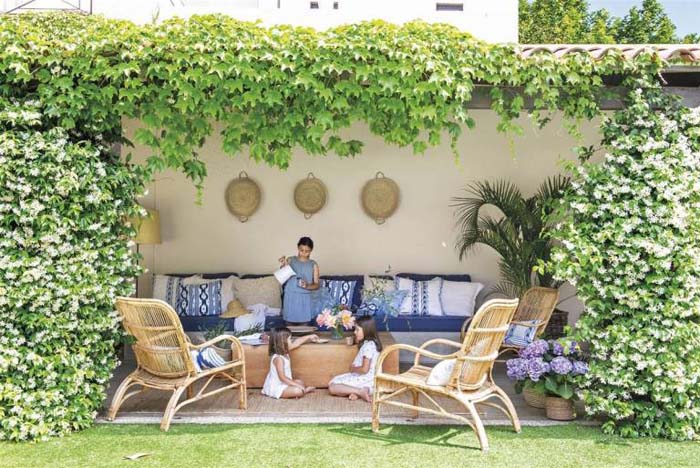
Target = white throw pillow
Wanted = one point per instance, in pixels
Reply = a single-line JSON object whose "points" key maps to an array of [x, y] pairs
{"points": [[423, 297], [459, 297], [440, 374], [227, 294]]}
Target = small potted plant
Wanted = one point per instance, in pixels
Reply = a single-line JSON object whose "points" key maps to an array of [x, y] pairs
{"points": [[548, 370], [223, 348], [337, 319]]}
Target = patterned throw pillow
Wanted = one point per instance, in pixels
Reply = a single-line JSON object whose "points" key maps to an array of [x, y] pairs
{"points": [[198, 300], [340, 291], [383, 306], [423, 297], [226, 287], [206, 358], [166, 288], [520, 335]]}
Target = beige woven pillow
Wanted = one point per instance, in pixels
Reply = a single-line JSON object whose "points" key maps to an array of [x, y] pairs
{"points": [[265, 290]]}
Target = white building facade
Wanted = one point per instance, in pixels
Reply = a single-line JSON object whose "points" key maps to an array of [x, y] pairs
{"points": [[493, 21]]}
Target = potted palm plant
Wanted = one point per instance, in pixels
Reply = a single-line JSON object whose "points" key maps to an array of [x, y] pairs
{"points": [[520, 235]]}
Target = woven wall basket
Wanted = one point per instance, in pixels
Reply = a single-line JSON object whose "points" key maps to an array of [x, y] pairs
{"points": [[380, 198], [310, 195], [243, 197]]}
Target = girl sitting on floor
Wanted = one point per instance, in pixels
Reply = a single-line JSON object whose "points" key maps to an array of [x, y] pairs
{"points": [[279, 382], [359, 382]]}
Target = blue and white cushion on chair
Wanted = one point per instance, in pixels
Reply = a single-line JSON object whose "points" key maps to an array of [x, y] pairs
{"points": [[198, 300], [520, 335], [340, 291]]}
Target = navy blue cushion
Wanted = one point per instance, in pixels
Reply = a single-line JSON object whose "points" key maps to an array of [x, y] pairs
{"points": [[464, 278], [204, 275], [422, 323], [256, 275], [359, 284]]}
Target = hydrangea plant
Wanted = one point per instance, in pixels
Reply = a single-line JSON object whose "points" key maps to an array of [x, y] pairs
{"points": [[64, 258], [630, 246], [548, 367]]}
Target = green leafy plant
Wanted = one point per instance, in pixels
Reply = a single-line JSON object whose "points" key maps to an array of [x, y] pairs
{"points": [[520, 235], [628, 245], [64, 258]]}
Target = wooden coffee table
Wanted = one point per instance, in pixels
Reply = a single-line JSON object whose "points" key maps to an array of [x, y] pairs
{"points": [[314, 363]]}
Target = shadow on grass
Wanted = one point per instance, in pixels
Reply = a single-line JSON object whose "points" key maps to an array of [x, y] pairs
{"points": [[439, 436]]}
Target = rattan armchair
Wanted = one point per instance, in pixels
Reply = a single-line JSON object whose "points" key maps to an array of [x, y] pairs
{"points": [[534, 310], [470, 382], [164, 362]]}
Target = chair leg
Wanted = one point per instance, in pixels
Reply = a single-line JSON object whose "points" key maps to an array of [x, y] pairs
{"points": [[511, 409], [118, 398], [478, 426], [375, 409], [190, 391], [170, 409], [414, 402], [243, 391]]}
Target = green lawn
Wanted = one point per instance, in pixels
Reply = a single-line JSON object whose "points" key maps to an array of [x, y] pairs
{"points": [[292, 445]]}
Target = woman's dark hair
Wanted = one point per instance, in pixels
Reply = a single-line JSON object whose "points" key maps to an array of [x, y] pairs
{"points": [[369, 330], [278, 341], [307, 242]]}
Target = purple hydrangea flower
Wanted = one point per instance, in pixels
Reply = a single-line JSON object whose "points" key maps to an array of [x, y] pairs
{"points": [[536, 368], [535, 349], [579, 368], [516, 369], [561, 365], [557, 348]]}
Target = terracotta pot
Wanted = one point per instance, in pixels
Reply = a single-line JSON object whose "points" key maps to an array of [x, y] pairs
{"points": [[534, 398], [560, 409]]}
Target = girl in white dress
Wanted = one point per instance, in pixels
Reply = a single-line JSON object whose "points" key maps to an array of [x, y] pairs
{"points": [[279, 382], [359, 382]]}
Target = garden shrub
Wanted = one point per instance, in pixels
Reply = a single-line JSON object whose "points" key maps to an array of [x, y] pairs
{"points": [[64, 258], [632, 249]]}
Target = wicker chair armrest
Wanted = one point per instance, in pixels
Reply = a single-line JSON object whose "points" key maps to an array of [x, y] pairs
{"points": [[423, 352], [435, 341], [235, 344]]}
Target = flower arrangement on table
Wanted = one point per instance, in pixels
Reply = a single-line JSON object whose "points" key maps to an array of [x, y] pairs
{"points": [[549, 369], [337, 319]]}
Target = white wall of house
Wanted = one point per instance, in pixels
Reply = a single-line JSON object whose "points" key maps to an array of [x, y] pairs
{"points": [[420, 237], [495, 21]]}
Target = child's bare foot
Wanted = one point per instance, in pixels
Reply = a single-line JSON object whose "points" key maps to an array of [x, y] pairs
{"points": [[352, 397], [309, 390], [364, 394]]}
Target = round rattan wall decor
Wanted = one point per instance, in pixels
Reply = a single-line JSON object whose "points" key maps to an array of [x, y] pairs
{"points": [[380, 198], [243, 197], [310, 195]]}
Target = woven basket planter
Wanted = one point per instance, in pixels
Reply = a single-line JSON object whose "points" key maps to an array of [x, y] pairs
{"points": [[533, 398], [556, 324], [560, 409]]}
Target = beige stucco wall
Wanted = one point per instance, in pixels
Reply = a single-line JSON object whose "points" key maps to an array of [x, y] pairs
{"points": [[418, 238]]}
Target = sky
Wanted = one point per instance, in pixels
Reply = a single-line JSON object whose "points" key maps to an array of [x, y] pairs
{"points": [[685, 14]]}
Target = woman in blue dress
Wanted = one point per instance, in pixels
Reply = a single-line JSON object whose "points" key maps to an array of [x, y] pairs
{"points": [[300, 301]]}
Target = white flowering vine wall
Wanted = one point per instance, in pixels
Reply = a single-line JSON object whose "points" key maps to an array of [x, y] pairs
{"points": [[631, 247], [64, 257]]}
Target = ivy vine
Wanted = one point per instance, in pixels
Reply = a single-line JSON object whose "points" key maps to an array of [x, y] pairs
{"points": [[278, 88]]}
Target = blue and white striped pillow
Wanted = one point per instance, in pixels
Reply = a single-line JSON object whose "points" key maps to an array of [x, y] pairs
{"points": [[198, 300], [520, 335], [206, 358], [423, 297]]}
